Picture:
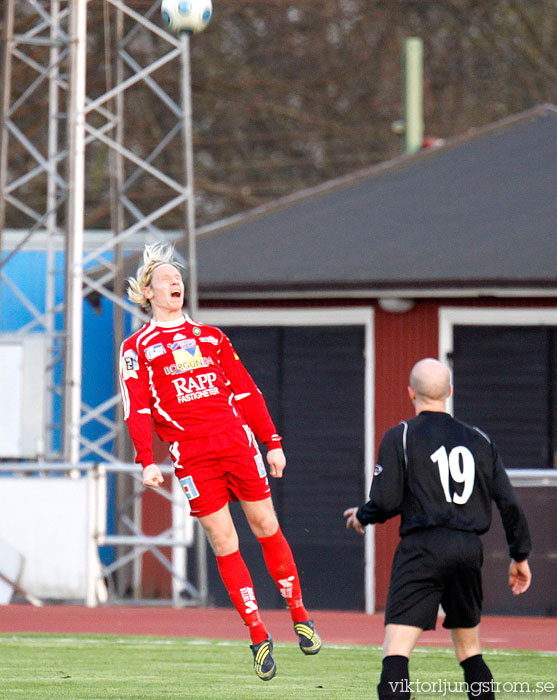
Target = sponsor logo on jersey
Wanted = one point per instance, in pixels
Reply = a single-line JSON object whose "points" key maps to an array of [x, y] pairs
{"points": [[187, 355], [209, 339], [130, 364], [154, 351], [190, 489], [181, 367], [181, 343], [260, 464], [196, 330], [193, 388]]}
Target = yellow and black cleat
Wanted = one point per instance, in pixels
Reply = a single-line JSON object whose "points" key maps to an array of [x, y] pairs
{"points": [[308, 639], [263, 663]]}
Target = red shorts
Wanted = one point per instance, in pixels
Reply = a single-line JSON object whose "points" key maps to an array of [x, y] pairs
{"points": [[219, 468]]}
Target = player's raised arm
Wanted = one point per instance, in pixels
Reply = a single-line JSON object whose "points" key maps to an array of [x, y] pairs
{"points": [[134, 391]]}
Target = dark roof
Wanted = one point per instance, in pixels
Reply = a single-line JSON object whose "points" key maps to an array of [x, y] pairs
{"points": [[480, 210]]}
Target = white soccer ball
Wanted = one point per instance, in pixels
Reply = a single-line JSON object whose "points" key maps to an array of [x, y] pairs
{"points": [[191, 16]]}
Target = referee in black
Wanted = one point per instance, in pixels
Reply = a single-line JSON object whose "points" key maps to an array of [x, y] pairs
{"points": [[440, 475]]}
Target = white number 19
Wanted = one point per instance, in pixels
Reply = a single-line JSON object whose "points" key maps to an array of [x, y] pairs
{"points": [[461, 466]]}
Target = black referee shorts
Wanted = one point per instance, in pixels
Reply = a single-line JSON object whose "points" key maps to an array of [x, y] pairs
{"points": [[432, 567]]}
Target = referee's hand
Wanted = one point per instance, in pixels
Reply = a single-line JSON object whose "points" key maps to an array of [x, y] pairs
{"points": [[520, 576], [352, 520], [152, 476]]}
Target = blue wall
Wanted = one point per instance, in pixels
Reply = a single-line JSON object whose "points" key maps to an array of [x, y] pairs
{"points": [[27, 270]]}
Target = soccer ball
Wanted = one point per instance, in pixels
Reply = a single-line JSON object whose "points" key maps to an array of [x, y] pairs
{"points": [[190, 16]]}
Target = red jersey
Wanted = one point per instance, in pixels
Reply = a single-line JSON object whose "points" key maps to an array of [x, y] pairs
{"points": [[187, 378]]}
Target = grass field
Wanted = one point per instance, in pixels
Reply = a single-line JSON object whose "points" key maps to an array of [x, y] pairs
{"points": [[95, 667]]}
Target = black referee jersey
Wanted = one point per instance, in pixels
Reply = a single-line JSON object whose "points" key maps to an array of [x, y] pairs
{"points": [[436, 471]]}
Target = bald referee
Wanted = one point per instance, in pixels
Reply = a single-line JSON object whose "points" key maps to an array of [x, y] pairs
{"points": [[440, 475]]}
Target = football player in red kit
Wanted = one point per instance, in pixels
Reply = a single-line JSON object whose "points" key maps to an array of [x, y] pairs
{"points": [[186, 379]]}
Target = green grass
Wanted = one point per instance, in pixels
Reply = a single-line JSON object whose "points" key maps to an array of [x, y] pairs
{"points": [[96, 667]]}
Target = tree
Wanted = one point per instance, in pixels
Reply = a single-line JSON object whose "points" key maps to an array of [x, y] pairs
{"points": [[290, 94]]}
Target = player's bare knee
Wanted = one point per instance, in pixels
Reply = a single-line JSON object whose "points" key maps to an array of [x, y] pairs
{"points": [[222, 545], [265, 525], [465, 652], [466, 643], [261, 517], [223, 540]]}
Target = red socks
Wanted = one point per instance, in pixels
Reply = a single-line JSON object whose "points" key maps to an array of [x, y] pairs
{"points": [[237, 580], [282, 567]]}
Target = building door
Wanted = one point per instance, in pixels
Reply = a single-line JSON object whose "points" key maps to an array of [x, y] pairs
{"points": [[505, 381], [313, 381]]}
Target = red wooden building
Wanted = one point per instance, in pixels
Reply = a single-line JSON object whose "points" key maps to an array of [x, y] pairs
{"points": [[332, 294]]}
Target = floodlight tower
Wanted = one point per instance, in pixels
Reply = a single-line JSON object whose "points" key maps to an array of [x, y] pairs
{"points": [[51, 47], [93, 264], [129, 220], [133, 221]]}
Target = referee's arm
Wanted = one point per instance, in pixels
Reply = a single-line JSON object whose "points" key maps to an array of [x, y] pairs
{"points": [[387, 487], [512, 515], [514, 524]]}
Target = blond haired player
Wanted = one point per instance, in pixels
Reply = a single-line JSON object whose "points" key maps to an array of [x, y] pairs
{"points": [[186, 379]]}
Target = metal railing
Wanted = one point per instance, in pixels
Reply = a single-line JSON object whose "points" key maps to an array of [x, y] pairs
{"points": [[184, 534]]}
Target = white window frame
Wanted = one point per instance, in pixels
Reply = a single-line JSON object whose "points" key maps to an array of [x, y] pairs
{"points": [[326, 316], [449, 317]]}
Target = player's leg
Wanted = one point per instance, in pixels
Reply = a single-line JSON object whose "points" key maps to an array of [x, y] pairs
{"points": [[234, 573], [282, 567], [412, 606], [261, 517], [221, 531], [237, 580], [400, 640], [206, 487], [466, 642], [479, 681], [276, 553], [462, 603], [398, 644]]}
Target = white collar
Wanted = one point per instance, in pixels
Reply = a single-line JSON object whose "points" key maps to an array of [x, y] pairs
{"points": [[170, 324]]}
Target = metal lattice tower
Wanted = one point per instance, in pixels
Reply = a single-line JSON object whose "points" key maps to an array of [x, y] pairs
{"points": [[49, 40], [51, 130], [37, 46]]}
